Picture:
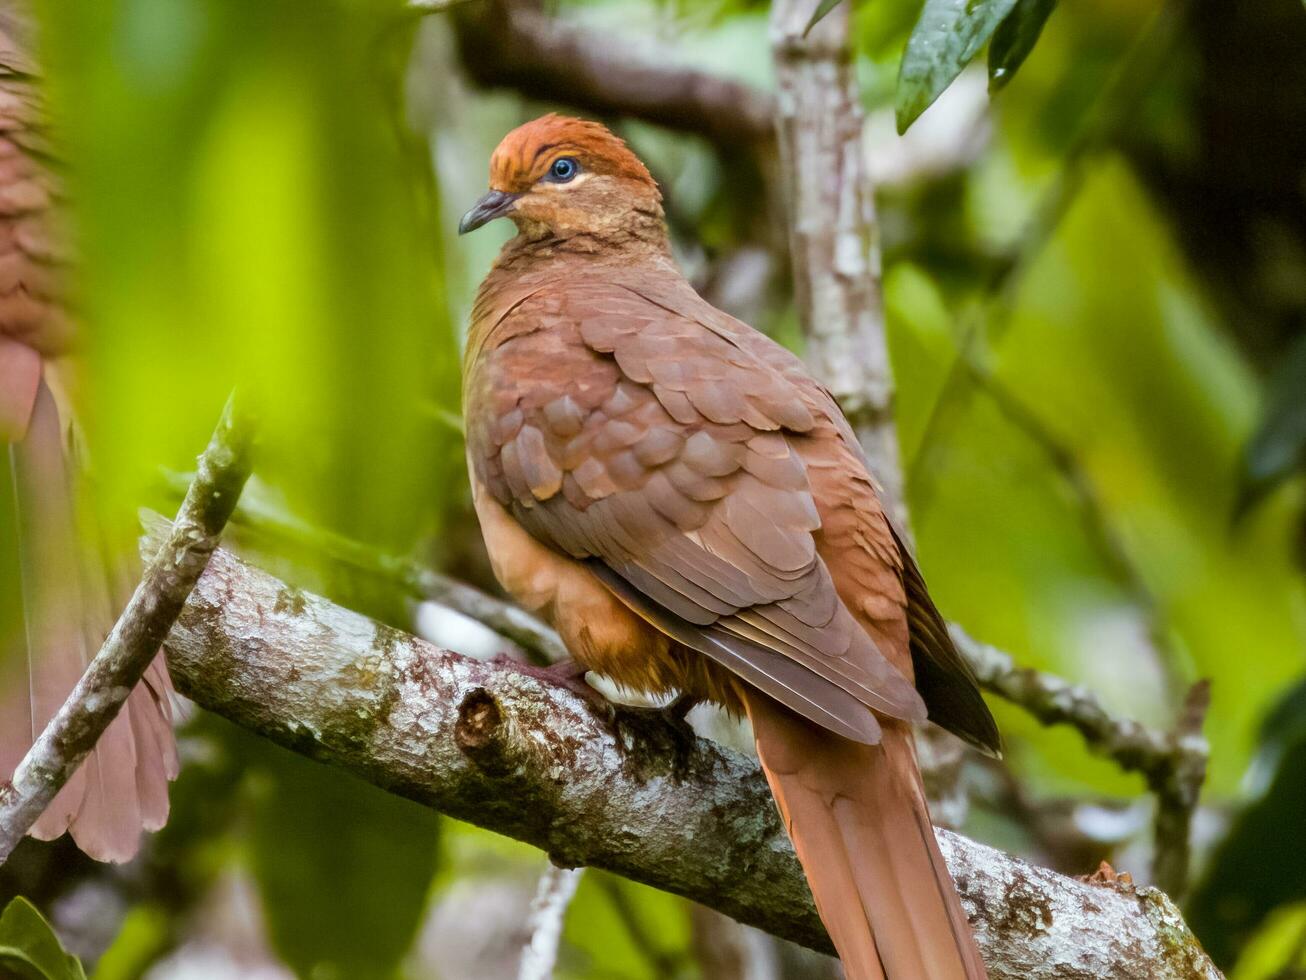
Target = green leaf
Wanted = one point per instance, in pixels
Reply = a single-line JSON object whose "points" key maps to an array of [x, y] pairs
{"points": [[947, 35], [1277, 450], [343, 868], [1240, 888], [1014, 39], [1278, 948], [30, 949], [822, 8]]}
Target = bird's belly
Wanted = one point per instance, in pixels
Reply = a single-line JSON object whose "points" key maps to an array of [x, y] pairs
{"points": [[599, 631]]}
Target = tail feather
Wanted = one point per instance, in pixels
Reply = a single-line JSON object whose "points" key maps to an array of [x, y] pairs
{"points": [[859, 821], [150, 714], [51, 590], [20, 374], [68, 608]]}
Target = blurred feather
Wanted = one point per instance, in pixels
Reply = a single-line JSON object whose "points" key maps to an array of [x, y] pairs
{"points": [[70, 591]]}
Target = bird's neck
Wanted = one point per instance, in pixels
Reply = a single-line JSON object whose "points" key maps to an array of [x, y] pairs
{"points": [[635, 234], [526, 265]]}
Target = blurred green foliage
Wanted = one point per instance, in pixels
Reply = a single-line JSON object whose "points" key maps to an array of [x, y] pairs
{"points": [[1260, 865], [252, 209], [367, 857]]}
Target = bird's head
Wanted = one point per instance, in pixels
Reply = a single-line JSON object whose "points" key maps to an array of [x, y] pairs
{"points": [[558, 177]]}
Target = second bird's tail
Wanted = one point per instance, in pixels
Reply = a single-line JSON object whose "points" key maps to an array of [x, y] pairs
{"points": [[68, 600], [860, 824]]}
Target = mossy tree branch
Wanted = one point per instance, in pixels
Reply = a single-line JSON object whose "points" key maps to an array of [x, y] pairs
{"points": [[491, 745]]}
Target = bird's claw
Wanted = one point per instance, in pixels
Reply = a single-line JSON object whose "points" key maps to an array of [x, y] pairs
{"points": [[672, 716], [567, 674]]}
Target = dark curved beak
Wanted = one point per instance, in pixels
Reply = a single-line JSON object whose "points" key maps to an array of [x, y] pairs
{"points": [[495, 204]]}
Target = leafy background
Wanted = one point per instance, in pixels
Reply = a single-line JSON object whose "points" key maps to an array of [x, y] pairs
{"points": [[266, 193]]}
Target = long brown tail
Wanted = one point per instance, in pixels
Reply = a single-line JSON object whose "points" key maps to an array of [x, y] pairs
{"points": [[69, 603], [858, 818]]}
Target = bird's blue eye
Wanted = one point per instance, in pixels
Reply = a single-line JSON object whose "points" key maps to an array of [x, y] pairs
{"points": [[563, 169]]}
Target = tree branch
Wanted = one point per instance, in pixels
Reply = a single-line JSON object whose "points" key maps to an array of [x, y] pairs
{"points": [[514, 44], [833, 236], [136, 637], [1174, 764], [548, 913], [536, 638], [490, 745], [836, 275]]}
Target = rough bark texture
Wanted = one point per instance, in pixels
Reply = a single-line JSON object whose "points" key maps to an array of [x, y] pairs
{"points": [[836, 254], [135, 639], [491, 745]]}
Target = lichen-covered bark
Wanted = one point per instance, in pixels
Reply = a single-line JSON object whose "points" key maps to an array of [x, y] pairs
{"points": [[499, 748]]}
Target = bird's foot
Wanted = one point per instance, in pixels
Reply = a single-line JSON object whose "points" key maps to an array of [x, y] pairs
{"points": [[671, 716], [566, 674]]}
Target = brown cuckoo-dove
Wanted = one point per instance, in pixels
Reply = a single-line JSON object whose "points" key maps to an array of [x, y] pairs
{"points": [[689, 508]]}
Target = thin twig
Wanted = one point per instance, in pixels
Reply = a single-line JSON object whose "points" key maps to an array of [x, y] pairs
{"points": [[1172, 763], [136, 637], [537, 640], [548, 913]]}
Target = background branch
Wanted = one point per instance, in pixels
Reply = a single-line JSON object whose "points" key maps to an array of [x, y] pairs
{"points": [[135, 639], [515, 44], [548, 912], [833, 235], [487, 744]]}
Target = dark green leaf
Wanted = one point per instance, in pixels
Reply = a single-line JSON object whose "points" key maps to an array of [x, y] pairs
{"points": [[1014, 39], [1278, 448], [343, 868], [947, 35], [822, 8], [1242, 886], [29, 948]]}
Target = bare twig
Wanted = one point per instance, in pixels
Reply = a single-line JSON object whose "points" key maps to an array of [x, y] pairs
{"points": [[548, 913], [1177, 790], [1172, 763], [491, 745], [513, 43], [136, 637]]}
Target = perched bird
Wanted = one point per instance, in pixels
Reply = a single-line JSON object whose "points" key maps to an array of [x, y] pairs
{"points": [[691, 511], [71, 591]]}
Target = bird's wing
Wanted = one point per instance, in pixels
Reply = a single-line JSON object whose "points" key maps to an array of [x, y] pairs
{"points": [[632, 437], [872, 566]]}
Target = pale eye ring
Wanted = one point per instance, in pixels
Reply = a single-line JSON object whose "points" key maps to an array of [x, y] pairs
{"points": [[563, 169]]}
